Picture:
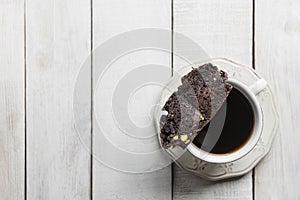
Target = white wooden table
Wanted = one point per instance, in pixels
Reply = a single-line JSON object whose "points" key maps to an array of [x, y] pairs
{"points": [[42, 46]]}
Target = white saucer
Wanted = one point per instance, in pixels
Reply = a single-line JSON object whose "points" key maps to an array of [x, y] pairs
{"points": [[245, 164]]}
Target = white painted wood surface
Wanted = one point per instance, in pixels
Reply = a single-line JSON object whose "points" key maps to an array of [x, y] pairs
{"points": [[58, 41], [12, 115], [110, 18], [277, 42], [222, 29]]}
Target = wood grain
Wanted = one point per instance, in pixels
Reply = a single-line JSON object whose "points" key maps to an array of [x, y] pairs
{"points": [[277, 41], [12, 115], [58, 41], [110, 18], [187, 186], [222, 29]]}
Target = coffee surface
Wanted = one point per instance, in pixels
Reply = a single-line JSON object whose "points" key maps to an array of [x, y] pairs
{"points": [[237, 128]]}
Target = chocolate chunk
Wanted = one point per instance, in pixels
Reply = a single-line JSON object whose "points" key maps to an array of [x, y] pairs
{"points": [[193, 105]]}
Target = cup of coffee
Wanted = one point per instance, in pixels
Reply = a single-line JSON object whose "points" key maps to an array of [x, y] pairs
{"points": [[235, 129]]}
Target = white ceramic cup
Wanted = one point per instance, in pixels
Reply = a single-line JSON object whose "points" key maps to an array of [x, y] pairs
{"points": [[250, 93]]}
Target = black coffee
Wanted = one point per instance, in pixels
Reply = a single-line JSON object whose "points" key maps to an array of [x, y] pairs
{"points": [[237, 128]]}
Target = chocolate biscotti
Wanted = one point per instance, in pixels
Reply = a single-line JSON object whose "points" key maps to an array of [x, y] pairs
{"points": [[193, 105]]}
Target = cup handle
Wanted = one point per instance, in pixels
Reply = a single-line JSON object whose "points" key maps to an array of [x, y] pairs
{"points": [[258, 86]]}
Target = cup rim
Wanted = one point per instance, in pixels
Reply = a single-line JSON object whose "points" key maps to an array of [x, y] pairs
{"points": [[252, 141]]}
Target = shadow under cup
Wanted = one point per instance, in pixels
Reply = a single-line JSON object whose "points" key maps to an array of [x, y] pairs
{"points": [[235, 129]]}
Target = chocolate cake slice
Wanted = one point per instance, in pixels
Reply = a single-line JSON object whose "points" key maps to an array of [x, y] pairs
{"points": [[193, 105]]}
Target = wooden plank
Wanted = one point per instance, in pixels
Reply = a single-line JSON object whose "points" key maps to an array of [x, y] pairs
{"points": [[187, 186], [110, 18], [58, 41], [12, 115], [222, 29], [277, 32]]}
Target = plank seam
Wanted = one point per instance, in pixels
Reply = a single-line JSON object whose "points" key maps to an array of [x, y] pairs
{"points": [[253, 65], [172, 36], [92, 103], [253, 34], [25, 103]]}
